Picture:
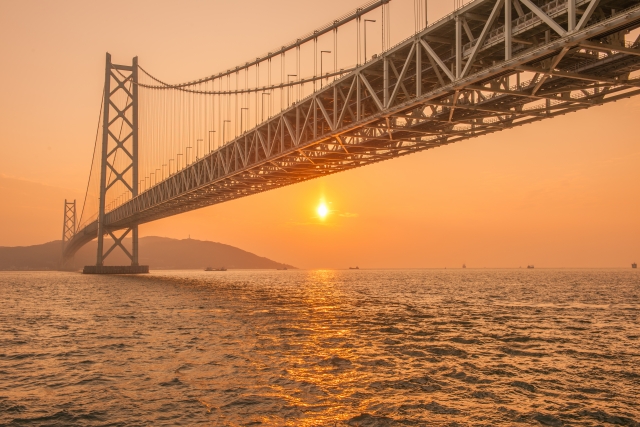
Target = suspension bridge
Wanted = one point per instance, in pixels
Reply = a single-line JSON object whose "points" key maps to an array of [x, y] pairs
{"points": [[321, 104]]}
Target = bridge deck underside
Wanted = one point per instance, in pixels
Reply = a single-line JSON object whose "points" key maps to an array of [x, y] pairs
{"points": [[412, 98]]}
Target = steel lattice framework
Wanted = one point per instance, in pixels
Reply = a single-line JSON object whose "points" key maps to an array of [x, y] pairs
{"points": [[119, 138], [459, 78], [69, 222]]}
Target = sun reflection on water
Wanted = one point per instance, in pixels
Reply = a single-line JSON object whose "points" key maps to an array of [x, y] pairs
{"points": [[322, 348]]}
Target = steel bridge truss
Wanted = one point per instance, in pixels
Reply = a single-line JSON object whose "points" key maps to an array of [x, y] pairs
{"points": [[490, 66]]}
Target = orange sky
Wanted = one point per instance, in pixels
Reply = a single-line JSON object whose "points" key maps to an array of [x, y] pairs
{"points": [[560, 193]]}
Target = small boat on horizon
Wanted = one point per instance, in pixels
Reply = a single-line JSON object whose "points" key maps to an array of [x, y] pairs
{"points": [[634, 265], [283, 268], [530, 266], [215, 269], [464, 265], [354, 268]]}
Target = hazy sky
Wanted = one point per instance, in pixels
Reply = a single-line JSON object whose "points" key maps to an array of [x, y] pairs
{"points": [[560, 193]]}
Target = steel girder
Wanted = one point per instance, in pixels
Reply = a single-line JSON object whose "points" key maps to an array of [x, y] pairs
{"points": [[459, 78]]}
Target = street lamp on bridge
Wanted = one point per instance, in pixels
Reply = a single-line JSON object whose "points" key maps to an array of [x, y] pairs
{"points": [[223, 130], [242, 110], [210, 132], [198, 147], [289, 87], [321, 52], [263, 94], [365, 37]]}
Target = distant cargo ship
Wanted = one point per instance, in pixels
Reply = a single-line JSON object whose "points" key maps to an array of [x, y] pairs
{"points": [[634, 265], [215, 269], [354, 268], [530, 266]]}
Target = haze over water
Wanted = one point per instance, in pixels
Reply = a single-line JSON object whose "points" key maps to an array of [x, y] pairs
{"points": [[321, 348]]}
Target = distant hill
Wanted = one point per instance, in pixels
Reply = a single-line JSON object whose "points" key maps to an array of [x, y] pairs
{"points": [[160, 253]]}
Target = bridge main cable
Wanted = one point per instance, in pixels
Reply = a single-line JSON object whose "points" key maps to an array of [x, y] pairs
{"points": [[242, 91], [355, 14]]}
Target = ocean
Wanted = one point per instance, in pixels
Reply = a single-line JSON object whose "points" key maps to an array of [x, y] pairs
{"points": [[321, 348]]}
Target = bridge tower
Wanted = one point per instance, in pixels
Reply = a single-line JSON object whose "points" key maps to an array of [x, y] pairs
{"points": [[119, 162], [68, 224]]}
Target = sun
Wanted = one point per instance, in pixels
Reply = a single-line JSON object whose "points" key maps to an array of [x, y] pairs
{"points": [[322, 210]]}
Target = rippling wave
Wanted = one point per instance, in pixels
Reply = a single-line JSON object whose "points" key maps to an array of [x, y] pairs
{"points": [[321, 348]]}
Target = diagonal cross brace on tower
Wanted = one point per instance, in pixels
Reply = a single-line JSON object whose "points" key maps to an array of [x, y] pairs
{"points": [[68, 225], [118, 160]]}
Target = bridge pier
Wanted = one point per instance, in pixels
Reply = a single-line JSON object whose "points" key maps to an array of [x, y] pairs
{"points": [[115, 269]]}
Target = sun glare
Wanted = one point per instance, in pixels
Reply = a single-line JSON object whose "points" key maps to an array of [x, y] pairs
{"points": [[322, 210]]}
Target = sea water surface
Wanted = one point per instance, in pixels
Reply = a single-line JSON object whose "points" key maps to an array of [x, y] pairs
{"points": [[321, 348]]}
